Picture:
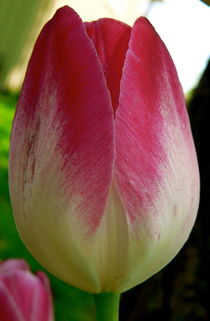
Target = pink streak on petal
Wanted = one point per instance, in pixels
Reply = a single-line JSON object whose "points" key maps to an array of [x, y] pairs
{"points": [[110, 38], [151, 104], [65, 102], [45, 298]]}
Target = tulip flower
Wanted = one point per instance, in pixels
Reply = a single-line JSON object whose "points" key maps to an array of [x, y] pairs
{"points": [[104, 178], [23, 296]]}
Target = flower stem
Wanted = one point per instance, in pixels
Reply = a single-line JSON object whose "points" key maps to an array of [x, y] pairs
{"points": [[107, 306]]}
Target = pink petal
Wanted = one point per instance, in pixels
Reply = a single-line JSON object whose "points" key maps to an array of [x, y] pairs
{"points": [[25, 297], [110, 38], [62, 150], [64, 120], [154, 146], [11, 265], [45, 298], [9, 310]]}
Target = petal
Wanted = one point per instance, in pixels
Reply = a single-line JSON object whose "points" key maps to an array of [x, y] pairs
{"points": [[41, 309], [47, 302], [25, 297], [111, 50], [11, 265], [9, 310], [62, 147], [156, 169]]}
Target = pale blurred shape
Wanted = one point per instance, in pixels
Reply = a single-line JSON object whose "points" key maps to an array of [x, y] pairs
{"points": [[20, 23]]}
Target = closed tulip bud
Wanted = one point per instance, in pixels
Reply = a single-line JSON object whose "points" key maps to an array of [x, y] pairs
{"points": [[23, 296], [104, 179]]}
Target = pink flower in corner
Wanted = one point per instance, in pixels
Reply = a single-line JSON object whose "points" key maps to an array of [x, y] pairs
{"points": [[104, 180], [23, 296]]}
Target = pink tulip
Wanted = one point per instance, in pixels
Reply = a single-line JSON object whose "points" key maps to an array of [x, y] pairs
{"points": [[103, 172], [23, 296]]}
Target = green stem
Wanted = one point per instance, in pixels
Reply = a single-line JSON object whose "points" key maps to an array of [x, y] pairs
{"points": [[107, 306]]}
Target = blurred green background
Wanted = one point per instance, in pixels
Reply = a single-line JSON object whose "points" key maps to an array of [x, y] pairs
{"points": [[178, 293]]}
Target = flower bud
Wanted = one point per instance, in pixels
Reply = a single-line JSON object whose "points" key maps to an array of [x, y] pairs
{"points": [[104, 178], [23, 296]]}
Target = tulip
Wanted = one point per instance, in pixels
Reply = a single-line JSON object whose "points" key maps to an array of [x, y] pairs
{"points": [[23, 296], [104, 178]]}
